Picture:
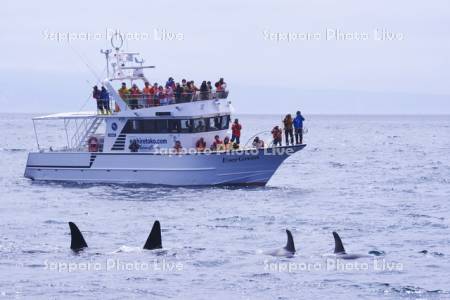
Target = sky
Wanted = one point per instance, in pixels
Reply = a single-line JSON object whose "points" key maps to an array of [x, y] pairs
{"points": [[321, 56]]}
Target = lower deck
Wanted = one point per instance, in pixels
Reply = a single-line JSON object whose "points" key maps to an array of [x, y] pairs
{"points": [[252, 166]]}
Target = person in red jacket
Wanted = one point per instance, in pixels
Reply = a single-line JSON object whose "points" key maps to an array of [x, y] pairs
{"points": [[277, 134], [236, 132]]}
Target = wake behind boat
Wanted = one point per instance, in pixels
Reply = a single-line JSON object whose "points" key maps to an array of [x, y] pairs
{"points": [[155, 136]]}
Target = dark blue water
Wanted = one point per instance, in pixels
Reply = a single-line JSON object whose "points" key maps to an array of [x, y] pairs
{"points": [[382, 182]]}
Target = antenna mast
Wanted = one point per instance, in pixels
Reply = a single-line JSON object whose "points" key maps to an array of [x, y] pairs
{"points": [[106, 52]]}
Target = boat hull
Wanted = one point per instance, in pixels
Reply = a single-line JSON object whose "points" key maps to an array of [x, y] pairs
{"points": [[244, 167]]}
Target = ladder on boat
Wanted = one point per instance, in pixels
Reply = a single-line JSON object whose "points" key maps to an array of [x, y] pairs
{"points": [[91, 129], [84, 131]]}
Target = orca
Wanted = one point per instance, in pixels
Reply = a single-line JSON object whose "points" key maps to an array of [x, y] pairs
{"points": [[154, 238], [339, 249], [77, 242], [288, 250]]}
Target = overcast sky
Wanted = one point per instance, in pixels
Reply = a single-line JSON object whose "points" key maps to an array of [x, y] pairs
{"points": [[394, 57]]}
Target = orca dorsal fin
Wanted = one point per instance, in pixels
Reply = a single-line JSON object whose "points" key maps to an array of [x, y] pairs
{"points": [[154, 239], [77, 240], [290, 242], [338, 246]]}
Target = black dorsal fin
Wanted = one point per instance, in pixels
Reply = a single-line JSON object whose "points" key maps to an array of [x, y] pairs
{"points": [[290, 242], [338, 246], [77, 242], [154, 239]]}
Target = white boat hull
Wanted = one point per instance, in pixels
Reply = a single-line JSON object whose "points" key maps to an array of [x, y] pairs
{"points": [[249, 167]]}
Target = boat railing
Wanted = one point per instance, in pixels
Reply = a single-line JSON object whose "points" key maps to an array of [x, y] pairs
{"points": [[142, 100]]}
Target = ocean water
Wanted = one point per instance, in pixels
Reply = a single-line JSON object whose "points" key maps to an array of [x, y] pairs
{"points": [[382, 182]]}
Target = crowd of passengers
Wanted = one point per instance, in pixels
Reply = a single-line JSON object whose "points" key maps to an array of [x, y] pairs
{"points": [[158, 95], [171, 92], [292, 127]]}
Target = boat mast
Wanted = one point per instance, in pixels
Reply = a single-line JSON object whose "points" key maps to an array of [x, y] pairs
{"points": [[106, 52]]}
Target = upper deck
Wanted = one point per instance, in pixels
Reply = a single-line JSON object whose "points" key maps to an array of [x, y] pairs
{"points": [[184, 109]]}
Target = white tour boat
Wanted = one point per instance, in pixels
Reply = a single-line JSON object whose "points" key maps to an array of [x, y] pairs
{"points": [[135, 142]]}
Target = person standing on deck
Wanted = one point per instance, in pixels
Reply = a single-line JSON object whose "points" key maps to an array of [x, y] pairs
{"points": [[236, 132], [124, 93], [104, 95], [148, 94], [277, 134], [298, 125], [135, 95], [288, 129], [96, 94]]}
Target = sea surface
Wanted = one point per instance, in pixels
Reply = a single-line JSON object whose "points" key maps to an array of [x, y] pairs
{"points": [[381, 182]]}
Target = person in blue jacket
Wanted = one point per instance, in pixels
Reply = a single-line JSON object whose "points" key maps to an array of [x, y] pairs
{"points": [[298, 126], [104, 96]]}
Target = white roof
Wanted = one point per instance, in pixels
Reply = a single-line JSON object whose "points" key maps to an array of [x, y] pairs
{"points": [[72, 115]]}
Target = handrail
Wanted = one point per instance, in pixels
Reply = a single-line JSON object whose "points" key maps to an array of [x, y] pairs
{"points": [[141, 100]]}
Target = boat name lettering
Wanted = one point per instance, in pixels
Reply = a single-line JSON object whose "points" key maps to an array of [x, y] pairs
{"points": [[239, 158]]}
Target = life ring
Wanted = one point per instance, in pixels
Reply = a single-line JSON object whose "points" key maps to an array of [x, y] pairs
{"points": [[93, 144]]}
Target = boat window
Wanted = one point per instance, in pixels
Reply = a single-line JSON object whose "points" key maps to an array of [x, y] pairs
{"points": [[225, 122], [148, 126], [132, 126], [186, 126], [162, 126], [199, 125], [174, 126], [213, 124]]}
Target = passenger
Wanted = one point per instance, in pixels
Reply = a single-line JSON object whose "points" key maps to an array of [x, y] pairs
{"points": [[104, 95], [218, 87], [298, 127], [204, 91], [194, 89], [258, 143], [210, 88], [288, 129], [219, 90], [148, 94], [135, 94], [236, 132], [162, 96], [217, 144], [193, 86], [185, 93], [277, 134], [223, 84], [189, 91], [96, 94], [178, 93], [155, 95], [169, 95], [124, 92], [177, 147], [200, 145], [170, 83], [227, 145]]}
